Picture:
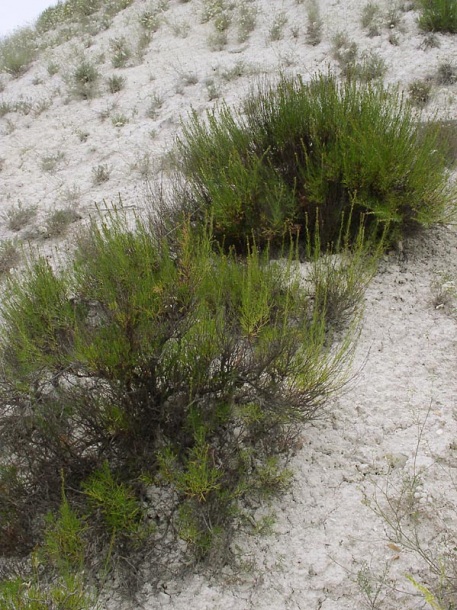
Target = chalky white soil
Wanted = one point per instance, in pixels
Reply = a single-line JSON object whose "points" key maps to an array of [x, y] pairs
{"points": [[391, 437]]}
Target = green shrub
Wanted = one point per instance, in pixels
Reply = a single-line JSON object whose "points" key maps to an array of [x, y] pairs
{"points": [[438, 16], [155, 358], [299, 153], [17, 52], [116, 83], [66, 593], [119, 508], [84, 80]]}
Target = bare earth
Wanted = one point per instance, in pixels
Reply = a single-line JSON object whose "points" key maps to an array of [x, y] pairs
{"points": [[391, 437]]}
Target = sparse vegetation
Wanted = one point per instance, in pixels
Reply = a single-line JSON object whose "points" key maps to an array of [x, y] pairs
{"points": [[371, 19], [100, 174], [155, 104], [276, 31], [246, 19], [18, 216], [314, 25], [50, 162], [10, 256], [447, 74]]}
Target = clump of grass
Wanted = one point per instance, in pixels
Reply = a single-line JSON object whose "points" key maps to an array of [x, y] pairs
{"points": [[419, 92], [155, 104], [18, 216], [246, 18], [438, 16], [116, 83], [276, 31], [10, 256], [314, 25], [119, 120], [50, 162], [446, 74], [52, 68], [371, 19], [17, 52], [5, 108], [100, 174], [84, 80], [120, 52], [58, 222], [272, 169]]}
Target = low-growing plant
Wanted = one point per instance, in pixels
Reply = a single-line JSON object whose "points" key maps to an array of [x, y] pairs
{"points": [[212, 8], [150, 21], [116, 83], [446, 74], [119, 120], [438, 16], [84, 80], [155, 104], [53, 68], [276, 31], [18, 216], [50, 162], [120, 52], [371, 18], [5, 108], [419, 92], [369, 67], [17, 52], [58, 222], [217, 40], [246, 18], [314, 25], [430, 41], [10, 256], [281, 163], [101, 173]]}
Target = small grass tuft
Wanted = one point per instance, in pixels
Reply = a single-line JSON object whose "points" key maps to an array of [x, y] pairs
{"points": [[19, 216], [17, 52], [116, 83], [420, 92], [100, 174]]}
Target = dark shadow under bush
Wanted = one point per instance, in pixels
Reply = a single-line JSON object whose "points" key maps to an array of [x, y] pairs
{"points": [[297, 156]]}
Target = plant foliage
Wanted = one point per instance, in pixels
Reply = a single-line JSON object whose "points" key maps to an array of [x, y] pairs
{"points": [[302, 154], [153, 358]]}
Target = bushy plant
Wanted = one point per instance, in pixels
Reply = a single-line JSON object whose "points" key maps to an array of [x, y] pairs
{"points": [[300, 153], [17, 52], [84, 80], [438, 16], [154, 356], [116, 83]]}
